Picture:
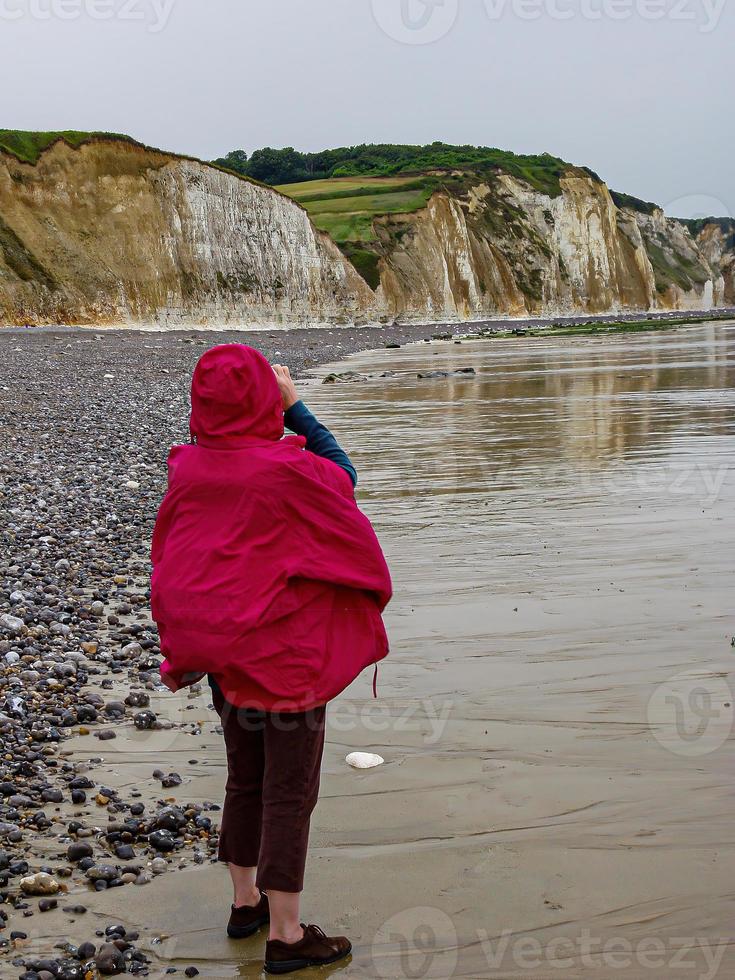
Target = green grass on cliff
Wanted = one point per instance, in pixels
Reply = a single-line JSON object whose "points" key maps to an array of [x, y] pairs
{"points": [[345, 207], [350, 217], [28, 146]]}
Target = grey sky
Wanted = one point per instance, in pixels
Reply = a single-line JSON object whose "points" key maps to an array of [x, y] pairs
{"points": [[639, 90]]}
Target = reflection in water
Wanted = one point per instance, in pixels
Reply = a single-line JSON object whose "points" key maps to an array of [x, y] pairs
{"points": [[543, 403]]}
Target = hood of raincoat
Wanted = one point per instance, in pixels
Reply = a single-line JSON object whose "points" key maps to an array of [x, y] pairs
{"points": [[266, 574], [235, 395]]}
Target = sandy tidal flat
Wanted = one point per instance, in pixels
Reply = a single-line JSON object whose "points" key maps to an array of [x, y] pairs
{"points": [[556, 716]]}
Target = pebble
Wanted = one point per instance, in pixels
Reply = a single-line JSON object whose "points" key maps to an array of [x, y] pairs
{"points": [[39, 884], [78, 850], [11, 623], [364, 760], [109, 960]]}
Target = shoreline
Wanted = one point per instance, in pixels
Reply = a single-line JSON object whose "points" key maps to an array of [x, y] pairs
{"points": [[484, 324], [306, 349]]}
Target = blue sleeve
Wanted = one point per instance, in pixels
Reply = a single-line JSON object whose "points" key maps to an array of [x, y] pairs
{"points": [[319, 440]]}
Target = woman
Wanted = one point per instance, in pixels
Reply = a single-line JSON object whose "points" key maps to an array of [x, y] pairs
{"points": [[268, 578]]}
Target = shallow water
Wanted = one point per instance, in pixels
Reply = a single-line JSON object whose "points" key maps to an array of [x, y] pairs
{"points": [[556, 714], [559, 526]]}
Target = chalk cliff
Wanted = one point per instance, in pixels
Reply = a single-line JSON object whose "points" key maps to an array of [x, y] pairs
{"points": [[113, 232], [502, 247]]}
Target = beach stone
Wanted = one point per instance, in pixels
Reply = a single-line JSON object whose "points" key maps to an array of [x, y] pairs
{"points": [[364, 760], [114, 709], [344, 377], [138, 699], [70, 970], [144, 720], [78, 850], [171, 818], [39, 884], [12, 623], [102, 872], [109, 960], [162, 840], [131, 650]]}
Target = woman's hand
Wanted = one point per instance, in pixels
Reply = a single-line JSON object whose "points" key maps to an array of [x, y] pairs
{"points": [[285, 383]]}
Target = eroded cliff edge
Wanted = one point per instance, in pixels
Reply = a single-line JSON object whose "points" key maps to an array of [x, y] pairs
{"points": [[112, 232]]}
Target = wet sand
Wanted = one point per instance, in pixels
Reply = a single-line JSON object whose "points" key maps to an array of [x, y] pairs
{"points": [[556, 715]]}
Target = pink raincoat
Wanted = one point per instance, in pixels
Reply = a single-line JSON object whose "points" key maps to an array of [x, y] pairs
{"points": [[265, 572]]}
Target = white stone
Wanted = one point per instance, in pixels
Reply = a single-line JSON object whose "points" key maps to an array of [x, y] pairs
{"points": [[364, 760], [39, 884], [12, 623]]}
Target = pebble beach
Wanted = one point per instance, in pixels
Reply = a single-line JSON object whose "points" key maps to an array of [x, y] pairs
{"points": [[86, 420]]}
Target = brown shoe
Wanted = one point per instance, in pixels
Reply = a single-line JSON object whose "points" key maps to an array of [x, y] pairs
{"points": [[315, 949], [248, 919]]}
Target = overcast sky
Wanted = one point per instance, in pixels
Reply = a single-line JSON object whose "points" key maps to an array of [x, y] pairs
{"points": [[639, 90]]}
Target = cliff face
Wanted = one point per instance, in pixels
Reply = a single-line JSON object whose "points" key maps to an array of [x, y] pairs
{"points": [[502, 247], [716, 241], [113, 232]]}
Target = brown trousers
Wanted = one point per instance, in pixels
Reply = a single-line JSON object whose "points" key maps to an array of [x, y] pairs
{"points": [[273, 769]]}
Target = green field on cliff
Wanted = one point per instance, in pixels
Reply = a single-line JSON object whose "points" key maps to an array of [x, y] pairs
{"points": [[346, 206], [28, 146]]}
